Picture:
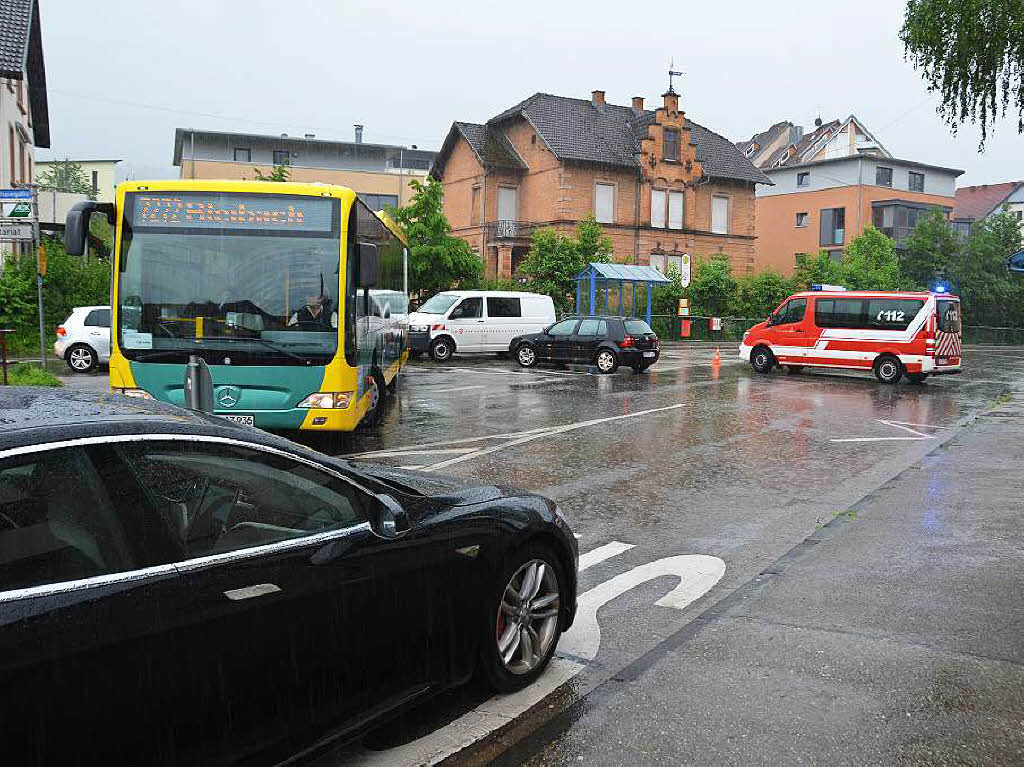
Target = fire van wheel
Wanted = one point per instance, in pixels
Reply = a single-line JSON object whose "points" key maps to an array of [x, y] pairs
{"points": [[888, 369], [762, 359], [917, 378], [442, 349]]}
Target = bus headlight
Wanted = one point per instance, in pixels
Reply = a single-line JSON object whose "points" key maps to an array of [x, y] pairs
{"points": [[327, 399], [138, 393], [419, 328]]}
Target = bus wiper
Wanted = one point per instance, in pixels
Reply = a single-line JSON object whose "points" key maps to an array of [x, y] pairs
{"points": [[269, 345]]}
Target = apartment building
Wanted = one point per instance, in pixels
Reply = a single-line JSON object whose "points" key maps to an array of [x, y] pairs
{"points": [[976, 203], [378, 173], [660, 184]]}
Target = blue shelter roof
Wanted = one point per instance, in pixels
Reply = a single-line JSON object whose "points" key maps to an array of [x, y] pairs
{"points": [[623, 273]]}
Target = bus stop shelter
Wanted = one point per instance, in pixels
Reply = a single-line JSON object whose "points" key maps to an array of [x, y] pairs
{"points": [[609, 277]]}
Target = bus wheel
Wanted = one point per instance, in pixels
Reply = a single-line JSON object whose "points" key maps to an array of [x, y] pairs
{"points": [[888, 369], [442, 349], [762, 359], [374, 385], [917, 378], [392, 388]]}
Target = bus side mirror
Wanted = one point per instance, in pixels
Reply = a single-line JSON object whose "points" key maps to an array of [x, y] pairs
{"points": [[369, 264], [76, 224]]}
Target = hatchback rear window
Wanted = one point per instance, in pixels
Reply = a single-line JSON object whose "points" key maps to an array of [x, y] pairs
{"points": [[98, 318], [637, 327]]}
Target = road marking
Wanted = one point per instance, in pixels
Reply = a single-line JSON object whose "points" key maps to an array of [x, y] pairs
{"points": [[697, 573], [424, 451], [601, 553], [463, 441], [457, 388], [549, 433], [922, 425]]}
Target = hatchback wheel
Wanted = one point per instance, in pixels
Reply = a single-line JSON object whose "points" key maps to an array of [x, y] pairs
{"points": [[524, 621], [606, 361], [888, 369], [442, 349], [81, 358], [526, 356]]}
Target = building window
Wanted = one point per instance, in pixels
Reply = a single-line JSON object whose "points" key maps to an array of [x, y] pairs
{"points": [[658, 198], [604, 203], [245, 155], [507, 203], [671, 142], [883, 176], [13, 155], [833, 226], [802, 219], [962, 227], [282, 157], [751, 150], [720, 215], [675, 210], [916, 182], [21, 97], [474, 205], [1018, 214], [803, 179]]}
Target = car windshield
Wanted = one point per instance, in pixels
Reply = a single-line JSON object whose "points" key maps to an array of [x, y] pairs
{"points": [[439, 304], [637, 327], [260, 296]]}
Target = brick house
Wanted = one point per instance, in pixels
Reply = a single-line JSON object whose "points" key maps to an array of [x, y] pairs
{"points": [[660, 184]]}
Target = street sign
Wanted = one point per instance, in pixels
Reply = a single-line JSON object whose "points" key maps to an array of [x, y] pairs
{"points": [[16, 232], [684, 270], [10, 209], [16, 194]]}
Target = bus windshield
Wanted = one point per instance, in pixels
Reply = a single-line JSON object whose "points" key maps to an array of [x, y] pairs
{"points": [[250, 294]]}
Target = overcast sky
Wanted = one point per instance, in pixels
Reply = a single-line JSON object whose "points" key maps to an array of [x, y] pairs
{"points": [[122, 75]]}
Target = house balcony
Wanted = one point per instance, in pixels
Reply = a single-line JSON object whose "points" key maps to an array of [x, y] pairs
{"points": [[506, 231]]}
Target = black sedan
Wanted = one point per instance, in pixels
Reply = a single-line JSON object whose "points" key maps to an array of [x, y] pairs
{"points": [[175, 589], [605, 342]]}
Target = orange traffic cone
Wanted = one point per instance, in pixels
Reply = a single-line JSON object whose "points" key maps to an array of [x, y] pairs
{"points": [[716, 358]]}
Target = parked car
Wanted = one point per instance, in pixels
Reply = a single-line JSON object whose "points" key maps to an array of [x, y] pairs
{"points": [[475, 321], [218, 594], [605, 342], [891, 334], [83, 340]]}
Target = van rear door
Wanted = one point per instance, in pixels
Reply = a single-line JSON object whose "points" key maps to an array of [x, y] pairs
{"points": [[948, 331]]}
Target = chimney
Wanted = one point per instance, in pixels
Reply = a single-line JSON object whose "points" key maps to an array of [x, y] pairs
{"points": [[597, 97], [638, 104], [671, 101], [284, 135], [310, 135], [359, 133]]}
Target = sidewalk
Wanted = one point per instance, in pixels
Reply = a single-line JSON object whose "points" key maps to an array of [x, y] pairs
{"points": [[893, 634]]}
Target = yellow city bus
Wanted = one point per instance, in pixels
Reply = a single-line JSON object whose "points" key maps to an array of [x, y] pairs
{"points": [[295, 296]]}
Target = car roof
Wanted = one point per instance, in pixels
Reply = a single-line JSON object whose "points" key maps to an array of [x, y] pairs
{"points": [[495, 293], [870, 294], [39, 415]]}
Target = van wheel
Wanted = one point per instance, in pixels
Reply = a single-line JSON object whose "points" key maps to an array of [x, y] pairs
{"points": [[442, 349], [888, 369], [762, 359], [917, 378]]}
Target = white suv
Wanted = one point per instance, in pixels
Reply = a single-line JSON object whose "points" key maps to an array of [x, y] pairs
{"points": [[83, 341]]}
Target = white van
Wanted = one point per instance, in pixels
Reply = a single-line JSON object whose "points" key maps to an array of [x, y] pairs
{"points": [[476, 321]]}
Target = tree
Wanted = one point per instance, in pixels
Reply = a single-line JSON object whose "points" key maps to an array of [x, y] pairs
{"points": [[712, 289], [66, 176], [870, 263], [665, 298], [277, 173], [972, 53], [438, 260], [980, 277], [554, 261], [815, 269], [932, 247], [759, 295]]}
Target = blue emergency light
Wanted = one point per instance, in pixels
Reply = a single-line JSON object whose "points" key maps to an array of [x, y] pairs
{"points": [[942, 286]]}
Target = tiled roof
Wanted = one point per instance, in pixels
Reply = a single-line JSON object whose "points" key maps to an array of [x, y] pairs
{"points": [[21, 51], [491, 146], [764, 138], [578, 130], [975, 202]]}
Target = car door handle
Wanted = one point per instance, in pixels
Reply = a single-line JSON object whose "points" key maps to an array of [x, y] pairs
{"points": [[249, 592], [481, 320]]}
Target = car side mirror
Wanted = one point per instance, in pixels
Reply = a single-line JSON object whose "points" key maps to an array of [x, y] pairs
{"points": [[389, 519], [369, 264]]}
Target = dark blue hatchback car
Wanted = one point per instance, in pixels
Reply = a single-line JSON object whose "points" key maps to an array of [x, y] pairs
{"points": [[605, 342]]}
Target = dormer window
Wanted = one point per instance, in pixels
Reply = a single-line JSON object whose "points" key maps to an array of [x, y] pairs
{"points": [[671, 143], [751, 150]]}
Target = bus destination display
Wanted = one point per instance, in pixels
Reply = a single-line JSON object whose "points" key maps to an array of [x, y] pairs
{"points": [[222, 211]]}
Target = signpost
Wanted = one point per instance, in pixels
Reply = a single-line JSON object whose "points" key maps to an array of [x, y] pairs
{"points": [[19, 222], [684, 270]]}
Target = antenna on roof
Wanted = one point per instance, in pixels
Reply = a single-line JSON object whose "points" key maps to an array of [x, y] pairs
{"points": [[672, 73]]}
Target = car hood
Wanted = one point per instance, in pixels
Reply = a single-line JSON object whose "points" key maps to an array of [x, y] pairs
{"points": [[452, 492], [422, 318]]}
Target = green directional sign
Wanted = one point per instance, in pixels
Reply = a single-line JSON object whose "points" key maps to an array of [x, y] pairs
{"points": [[16, 209]]}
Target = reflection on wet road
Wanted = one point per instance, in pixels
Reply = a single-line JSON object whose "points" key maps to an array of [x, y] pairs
{"points": [[696, 457]]}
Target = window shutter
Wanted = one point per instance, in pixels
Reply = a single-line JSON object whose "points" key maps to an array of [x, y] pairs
{"points": [[658, 208], [675, 210], [605, 203], [720, 215]]}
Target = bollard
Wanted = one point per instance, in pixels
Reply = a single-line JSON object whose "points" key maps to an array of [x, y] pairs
{"points": [[3, 353]]}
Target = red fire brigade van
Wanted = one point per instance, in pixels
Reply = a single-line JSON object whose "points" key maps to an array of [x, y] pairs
{"points": [[892, 334]]}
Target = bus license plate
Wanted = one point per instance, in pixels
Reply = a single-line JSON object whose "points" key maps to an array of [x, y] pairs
{"points": [[242, 419], [648, 354]]}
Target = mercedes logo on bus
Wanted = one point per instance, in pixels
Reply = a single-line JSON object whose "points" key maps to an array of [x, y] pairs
{"points": [[228, 396]]}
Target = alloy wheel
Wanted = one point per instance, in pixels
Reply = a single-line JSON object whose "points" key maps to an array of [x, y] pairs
{"points": [[81, 359], [526, 356], [605, 361], [527, 624]]}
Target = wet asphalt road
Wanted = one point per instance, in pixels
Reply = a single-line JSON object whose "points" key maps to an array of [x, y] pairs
{"points": [[703, 458]]}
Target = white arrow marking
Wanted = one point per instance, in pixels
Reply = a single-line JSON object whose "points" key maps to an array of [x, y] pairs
{"points": [[697, 573], [601, 553]]}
